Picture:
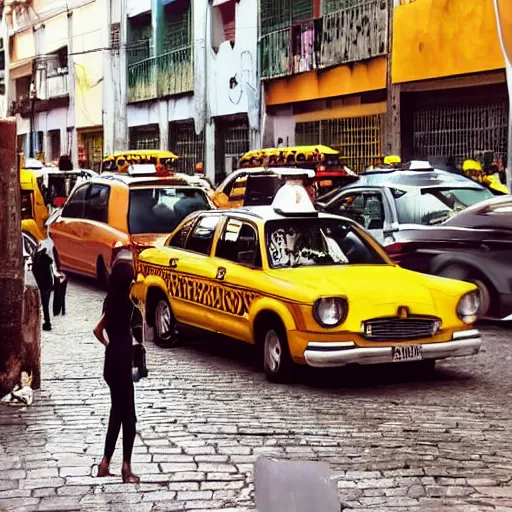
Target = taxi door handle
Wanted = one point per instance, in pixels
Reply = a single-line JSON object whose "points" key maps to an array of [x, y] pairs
{"points": [[173, 262], [221, 273]]}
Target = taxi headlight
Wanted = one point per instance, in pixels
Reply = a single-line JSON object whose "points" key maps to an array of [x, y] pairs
{"points": [[467, 309], [330, 311]]}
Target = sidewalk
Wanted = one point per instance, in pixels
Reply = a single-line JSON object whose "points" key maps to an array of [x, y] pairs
{"points": [[49, 451]]}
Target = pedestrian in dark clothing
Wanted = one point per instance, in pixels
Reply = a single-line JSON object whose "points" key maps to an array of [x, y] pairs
{"points": [[46, 270], [117, 373]]}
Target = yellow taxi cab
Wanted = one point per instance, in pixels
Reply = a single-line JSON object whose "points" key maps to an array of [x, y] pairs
{"points": [[113, 211], [306, 287], [42, 189], [164, 161]]}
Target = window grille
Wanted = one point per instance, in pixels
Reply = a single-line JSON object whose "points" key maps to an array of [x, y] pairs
{"points": [[330, 6], [184, 142], [278, 14], [177, 28], [461, 131], [357, 138], [145, 138]]}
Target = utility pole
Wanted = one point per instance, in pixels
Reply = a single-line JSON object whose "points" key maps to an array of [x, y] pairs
{"points": [[32, 95], [503, 9]]}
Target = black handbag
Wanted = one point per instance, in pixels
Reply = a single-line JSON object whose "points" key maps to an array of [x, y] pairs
{"points": [[140, 369], [139, 366]]}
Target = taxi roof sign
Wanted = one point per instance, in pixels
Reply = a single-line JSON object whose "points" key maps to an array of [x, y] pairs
{"points": [[292, 200], [141, 169]]}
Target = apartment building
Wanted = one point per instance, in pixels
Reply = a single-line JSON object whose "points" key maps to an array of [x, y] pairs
{"points": [[192, 80], [54, 77], [211, 79]]}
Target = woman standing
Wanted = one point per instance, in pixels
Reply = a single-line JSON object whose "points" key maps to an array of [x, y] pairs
{"points": [[118, 368]]}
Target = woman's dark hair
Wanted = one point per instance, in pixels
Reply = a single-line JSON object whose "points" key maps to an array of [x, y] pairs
{"points": [[121, 278]]}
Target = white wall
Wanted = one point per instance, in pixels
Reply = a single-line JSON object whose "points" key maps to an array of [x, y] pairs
{"points": [[284, 127], [159, 112], [136, 7], [240, 62]]}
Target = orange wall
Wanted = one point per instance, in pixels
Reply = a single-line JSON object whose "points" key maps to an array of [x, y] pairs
{"points": [[340, 81], [505, 14], [440, 38]]}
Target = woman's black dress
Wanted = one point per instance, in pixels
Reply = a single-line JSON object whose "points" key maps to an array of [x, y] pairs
{"points": [[118, 373]]}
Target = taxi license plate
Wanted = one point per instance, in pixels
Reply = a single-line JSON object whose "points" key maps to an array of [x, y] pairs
{"points": [[407, 353]]}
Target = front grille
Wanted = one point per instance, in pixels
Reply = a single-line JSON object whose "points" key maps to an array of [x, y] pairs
{"points": [[395, 329]]}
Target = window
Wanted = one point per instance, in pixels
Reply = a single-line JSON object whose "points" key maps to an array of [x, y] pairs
{"points": [[223, 22], [434, 206], [201, 238], [239, 243], [315, 242], [97, 204], [365, 208], [75, 206], [238, 189], [162, 209], [179, 239]]}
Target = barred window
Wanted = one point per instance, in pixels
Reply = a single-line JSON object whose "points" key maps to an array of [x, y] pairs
{"points": [[461, 131], [184, 142], [277, 14], [147, 137], [358, 139]]}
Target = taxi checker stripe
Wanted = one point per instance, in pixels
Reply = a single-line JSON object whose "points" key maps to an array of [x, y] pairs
{"points": [[145, 268], [202, 291]]}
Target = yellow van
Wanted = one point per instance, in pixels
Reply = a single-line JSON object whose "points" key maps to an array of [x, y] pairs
{"points": [[42, 189]]}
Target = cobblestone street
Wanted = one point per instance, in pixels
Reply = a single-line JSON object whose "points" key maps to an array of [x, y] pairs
{"points": [[398, 441]]}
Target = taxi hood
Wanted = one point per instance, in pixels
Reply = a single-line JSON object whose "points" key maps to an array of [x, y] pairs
{"points": [[368, 284], [147, 240]]}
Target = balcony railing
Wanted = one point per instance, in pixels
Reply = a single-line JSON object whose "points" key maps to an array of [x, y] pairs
{"points": [[165, 75], [57, 86], [175, 72], [142, 80], [348, 35]]}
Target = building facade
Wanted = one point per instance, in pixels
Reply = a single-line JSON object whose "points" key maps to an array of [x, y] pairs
{"points": [[54, 78], [212, 79], [193, 84], [448, 72]]}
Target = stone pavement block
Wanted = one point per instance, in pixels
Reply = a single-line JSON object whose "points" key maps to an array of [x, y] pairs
{"points": [[74, 490], [159, 496], [11, 503], [59, 504], [187, 476], [39, 483], [75, 471], [6, 485]]}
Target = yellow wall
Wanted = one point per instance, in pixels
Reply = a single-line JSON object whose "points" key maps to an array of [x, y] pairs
{"points": [[339, 81], [439, 38], [88, 35], [505, 15], [23, 46]]}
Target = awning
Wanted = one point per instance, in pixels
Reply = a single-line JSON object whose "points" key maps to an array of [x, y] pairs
{"points": [[20, 68]]}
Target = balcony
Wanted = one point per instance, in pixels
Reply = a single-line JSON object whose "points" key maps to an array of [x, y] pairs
{"points": [[348, 35], [165, 75], [57, 85]]}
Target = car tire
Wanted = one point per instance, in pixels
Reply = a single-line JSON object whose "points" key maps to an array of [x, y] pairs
{"points": [[102, 275], [277, 362], [164, 323], [464, 274]]}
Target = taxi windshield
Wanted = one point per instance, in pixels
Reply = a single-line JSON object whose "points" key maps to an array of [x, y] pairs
{"points": [[316, 241], [161, 209]]}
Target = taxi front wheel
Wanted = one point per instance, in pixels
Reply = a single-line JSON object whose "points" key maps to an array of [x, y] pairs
{"points": [[277, 362], [165, 324]]}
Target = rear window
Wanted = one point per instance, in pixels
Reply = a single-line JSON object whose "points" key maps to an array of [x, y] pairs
{"points": [[161, 209]]}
